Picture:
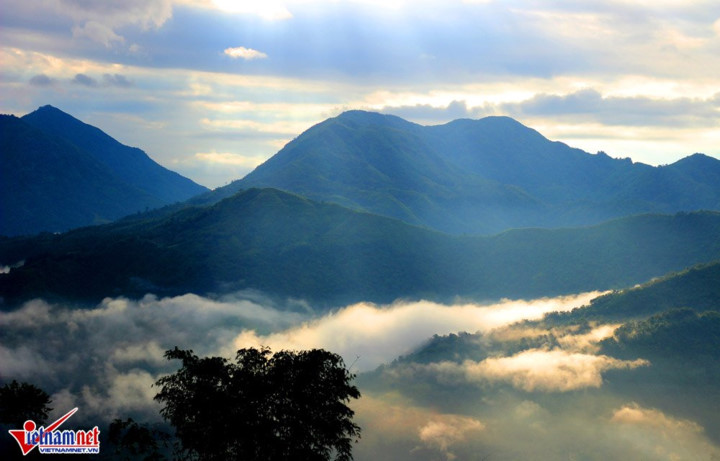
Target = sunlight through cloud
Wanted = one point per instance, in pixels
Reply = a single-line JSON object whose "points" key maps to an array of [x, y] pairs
{"points": [[247, 54]]}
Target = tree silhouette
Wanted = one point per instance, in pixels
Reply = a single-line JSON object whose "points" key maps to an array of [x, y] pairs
{"points": [[20, 402], [282, 406], [132, 441]]}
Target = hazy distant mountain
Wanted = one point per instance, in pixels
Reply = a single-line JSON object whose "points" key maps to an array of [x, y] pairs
{"points": [[287, 245], [475, 176], [59, 173]]}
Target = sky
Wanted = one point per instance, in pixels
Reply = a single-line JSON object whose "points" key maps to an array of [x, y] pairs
{"points": [[212, 88]]}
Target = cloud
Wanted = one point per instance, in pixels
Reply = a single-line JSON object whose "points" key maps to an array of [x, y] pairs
{"points": [[635, 415], [581, 107], [428, 113], [656, 435], [528, 61], [547, 371], [590, 105], [105, 359], [117, 80], [247, 54], [84, 80], [100, 22], [97, 32], [586, 342], [444, 432], [499, 425], [377, 334], [106, 355], [145, 13], [395, 428], [41, 80], [554, 360], [23, 362]]}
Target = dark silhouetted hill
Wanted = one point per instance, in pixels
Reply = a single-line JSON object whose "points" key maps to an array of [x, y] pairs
{"points": [[60, 173]]}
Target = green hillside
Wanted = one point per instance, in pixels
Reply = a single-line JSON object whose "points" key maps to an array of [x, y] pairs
{"points": [[287, 245], [474, 176], [697, 287]]}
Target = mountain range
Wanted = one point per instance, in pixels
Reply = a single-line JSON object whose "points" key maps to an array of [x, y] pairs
{"points": [[475, 176], [464, 177], [288, 245], [362, 206], [59, 173]]}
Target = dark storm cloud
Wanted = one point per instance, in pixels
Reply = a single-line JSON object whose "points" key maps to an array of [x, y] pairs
{"points": [[41, 80], [84, 80]]}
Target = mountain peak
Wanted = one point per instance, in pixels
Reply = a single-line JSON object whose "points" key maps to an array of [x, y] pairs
{"points": [[698, 159], [48, 110], [357, 114], [48, 115], [362, 117], [494, 123], [81, 170], [48, 107]]}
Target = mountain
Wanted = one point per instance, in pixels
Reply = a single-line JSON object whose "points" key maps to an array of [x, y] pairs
{"points": [[60, 173], [384, 165], [47, 183], [475, 176], [287, 245], [697, 287]]}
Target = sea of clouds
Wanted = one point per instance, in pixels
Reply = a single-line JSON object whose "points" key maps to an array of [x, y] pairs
{"points": [[105, 360]]}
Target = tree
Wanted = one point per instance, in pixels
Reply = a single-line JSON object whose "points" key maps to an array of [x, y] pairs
{"points": [[133, 441], [282, 406], [20, 402]]}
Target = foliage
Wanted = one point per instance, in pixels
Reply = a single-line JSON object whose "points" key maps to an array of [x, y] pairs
{"points": [[283, 244], [20, 402], [289, 405], [132, 441], [697, 287], [680, 334]]}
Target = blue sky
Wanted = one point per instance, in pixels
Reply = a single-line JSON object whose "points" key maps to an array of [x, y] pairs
{"points": [[211, 88]]}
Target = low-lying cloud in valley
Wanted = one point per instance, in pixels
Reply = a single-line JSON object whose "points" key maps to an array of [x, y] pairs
{"points": [[114, 350], [378, 334], [105, 360], [535, 370]]}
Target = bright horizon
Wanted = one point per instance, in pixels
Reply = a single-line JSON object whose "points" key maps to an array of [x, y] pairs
{"points": [[213, 88]]}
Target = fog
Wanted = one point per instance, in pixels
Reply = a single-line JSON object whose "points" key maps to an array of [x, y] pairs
{"points": [[104, 359], [369, 335], [543, 402], [531, 370]]}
